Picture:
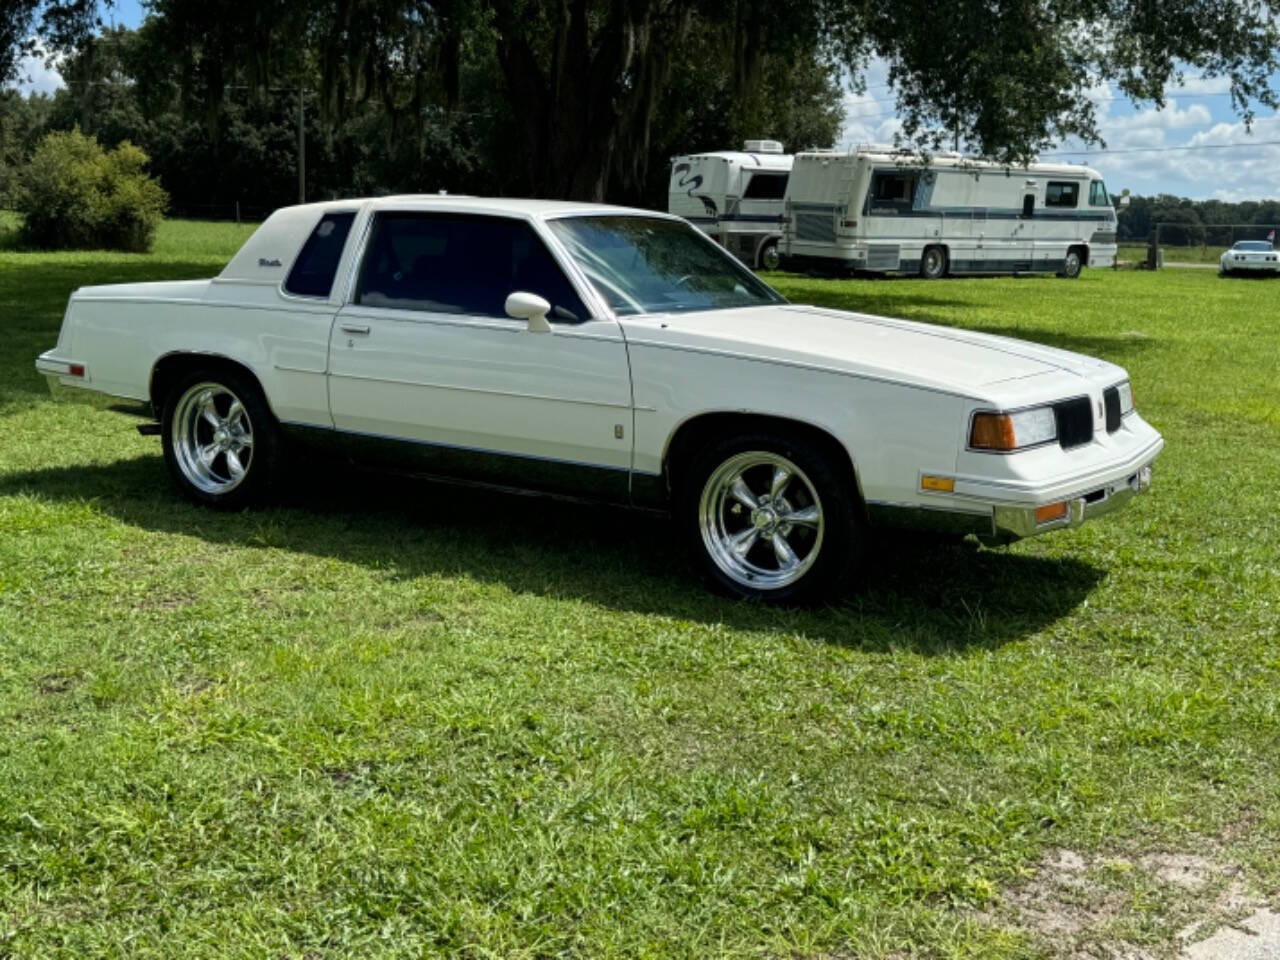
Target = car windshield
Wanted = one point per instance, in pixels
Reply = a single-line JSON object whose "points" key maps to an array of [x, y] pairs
{"points": [[658, 265], [1252, 245]]}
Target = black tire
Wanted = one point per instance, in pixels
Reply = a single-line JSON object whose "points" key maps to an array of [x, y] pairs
{"points": [[1072, 265], [769, 258], [184, 429], [933, 263], [837, 541]]}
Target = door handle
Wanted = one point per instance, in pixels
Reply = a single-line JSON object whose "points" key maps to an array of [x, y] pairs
{"points": [[357, 329]]}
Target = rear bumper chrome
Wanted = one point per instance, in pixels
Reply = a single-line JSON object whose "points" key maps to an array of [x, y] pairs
{"points": [[61, 371], [1241, 266]]}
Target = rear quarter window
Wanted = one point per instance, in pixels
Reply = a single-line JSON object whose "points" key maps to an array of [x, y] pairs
{"points": [[313, 271]]}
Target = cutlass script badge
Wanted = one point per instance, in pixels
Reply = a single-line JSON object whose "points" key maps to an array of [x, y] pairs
{"points": [[264, 262]]}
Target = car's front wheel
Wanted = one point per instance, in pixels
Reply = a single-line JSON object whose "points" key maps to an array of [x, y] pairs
{"points": [[771, 517], [1072, 264], [221, 442]]}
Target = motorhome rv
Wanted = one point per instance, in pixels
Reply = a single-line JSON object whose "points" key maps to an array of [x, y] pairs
{"points": [[881, 210], [734, 197]]}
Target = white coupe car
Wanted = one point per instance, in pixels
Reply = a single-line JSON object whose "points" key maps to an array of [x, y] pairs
{"points": [[608, 353], [1250, 256]]}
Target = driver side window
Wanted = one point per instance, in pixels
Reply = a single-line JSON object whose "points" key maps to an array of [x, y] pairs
{"points": [[460, 263]]}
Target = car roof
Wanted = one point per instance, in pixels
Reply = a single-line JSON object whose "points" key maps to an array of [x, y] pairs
{"points": [[461, 203]]}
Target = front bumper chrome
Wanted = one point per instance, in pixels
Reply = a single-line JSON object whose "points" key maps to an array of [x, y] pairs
{"points": [[1016, 522]]}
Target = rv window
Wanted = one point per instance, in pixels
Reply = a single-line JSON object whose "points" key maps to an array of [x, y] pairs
{"points": [[1061, 193], [1098, 195], [765, 186], [1029, 205], [893, 192]]}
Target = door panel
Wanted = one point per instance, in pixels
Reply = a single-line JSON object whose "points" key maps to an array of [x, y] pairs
{"points": [[425, 354], [484, 384]]}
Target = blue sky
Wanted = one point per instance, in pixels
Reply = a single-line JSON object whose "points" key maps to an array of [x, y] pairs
{"points": [[1146, 148]]}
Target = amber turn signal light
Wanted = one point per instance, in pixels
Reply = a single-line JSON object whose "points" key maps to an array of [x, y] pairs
{"points": [[992, 431], [1051, 511]]}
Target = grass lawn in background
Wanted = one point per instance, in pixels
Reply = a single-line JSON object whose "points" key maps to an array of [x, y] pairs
{"points": [[1137, 253], [386, 718]]}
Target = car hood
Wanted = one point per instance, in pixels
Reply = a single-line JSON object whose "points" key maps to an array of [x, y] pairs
{"points": [[920, 354]]}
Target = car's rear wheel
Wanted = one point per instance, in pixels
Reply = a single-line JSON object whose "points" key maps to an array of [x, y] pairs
{"points": [[221, 442], [771, 517]]}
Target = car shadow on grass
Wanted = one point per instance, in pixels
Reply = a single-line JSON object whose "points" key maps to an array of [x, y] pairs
{"points": [[920, 595]]}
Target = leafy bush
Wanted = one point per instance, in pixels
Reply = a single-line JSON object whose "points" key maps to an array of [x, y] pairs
{"points": [[74, 194]]}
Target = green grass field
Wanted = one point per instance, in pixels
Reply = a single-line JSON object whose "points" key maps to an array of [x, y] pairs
{"points": [[391, 719]]}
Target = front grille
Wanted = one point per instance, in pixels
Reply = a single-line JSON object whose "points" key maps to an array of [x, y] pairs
{"points": [[816, 227], [1075, 422], [1111, 398]]}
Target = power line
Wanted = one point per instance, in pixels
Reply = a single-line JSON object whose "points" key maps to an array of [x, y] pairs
{"points": [[1190, 147], [1168, 95]]}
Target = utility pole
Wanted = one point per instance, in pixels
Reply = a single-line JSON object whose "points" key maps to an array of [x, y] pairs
{"points": [[302, 152]]}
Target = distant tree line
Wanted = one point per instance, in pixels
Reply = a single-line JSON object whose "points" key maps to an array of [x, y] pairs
{"points": [[1186, 222], [127, 85]]}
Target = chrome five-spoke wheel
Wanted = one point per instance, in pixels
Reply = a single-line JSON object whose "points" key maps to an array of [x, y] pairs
{"points": [[212, 438], [761, 520]]}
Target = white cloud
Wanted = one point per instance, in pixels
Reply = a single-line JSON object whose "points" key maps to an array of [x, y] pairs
{"points": [[1170, 118], [1200, 85], [1250, 172], [34, 76], [870, 117]]}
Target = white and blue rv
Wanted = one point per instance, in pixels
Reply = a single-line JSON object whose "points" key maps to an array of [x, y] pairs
{"points": [[885, 211]]}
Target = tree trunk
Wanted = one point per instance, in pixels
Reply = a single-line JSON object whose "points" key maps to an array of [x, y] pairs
{"points": [[587, 97]]}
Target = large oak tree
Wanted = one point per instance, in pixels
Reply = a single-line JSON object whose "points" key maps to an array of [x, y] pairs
{"points": [[583, 82]]}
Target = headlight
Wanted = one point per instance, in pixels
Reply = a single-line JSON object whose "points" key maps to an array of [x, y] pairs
{"points": [[1013, 431], [1126, 398]]}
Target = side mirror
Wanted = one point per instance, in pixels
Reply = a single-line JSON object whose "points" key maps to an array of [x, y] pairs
{"points": [[531, 307]]}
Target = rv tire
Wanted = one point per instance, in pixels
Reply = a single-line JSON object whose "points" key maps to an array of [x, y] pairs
{"points": [[1072, 264], [933, 263], [769, 258]]}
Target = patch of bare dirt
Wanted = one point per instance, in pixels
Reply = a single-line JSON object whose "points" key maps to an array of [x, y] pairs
{"points": [[1060, 899], [1185, 870], [56, 682], [1074, 905]]}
